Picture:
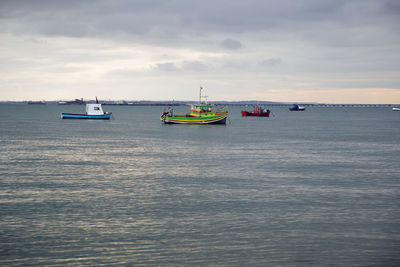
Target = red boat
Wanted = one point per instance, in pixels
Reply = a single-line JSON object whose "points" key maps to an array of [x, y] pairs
{"points": [[258, 112]]}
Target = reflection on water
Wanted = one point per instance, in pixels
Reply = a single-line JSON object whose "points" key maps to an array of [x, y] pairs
{"points": [[294, 189]]}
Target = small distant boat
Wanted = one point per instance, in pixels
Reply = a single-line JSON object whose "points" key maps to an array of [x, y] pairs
{"points": [[93, 111], [396, 109], [201, 113], [296, 107], [258, 111], [74, 102], [37, 102]]}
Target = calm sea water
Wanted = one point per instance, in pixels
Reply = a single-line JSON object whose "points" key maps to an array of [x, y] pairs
{"points": [[313, 188]]}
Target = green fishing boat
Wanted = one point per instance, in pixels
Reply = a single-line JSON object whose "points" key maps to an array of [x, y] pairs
{"points": [[201, 113]]}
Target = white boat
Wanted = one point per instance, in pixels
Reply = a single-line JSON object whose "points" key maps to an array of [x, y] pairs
{"points": [[93, 111], [396, 109]]}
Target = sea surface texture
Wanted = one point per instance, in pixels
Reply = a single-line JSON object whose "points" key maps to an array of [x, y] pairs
{"points": [[313, 188]]}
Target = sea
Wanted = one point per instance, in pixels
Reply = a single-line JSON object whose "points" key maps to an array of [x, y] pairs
{"points": [[314, 188]]}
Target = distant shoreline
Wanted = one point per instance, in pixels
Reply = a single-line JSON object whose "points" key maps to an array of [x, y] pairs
{"points": [[181, 103]]}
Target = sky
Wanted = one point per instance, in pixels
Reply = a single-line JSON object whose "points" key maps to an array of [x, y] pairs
{"points": [[266, 50]]}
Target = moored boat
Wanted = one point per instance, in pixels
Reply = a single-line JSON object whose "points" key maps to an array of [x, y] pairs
{"points": [[258, 111], [296, 107], [93, 111], [201, 113], [74, 102], [37, 102], [396, 109]]}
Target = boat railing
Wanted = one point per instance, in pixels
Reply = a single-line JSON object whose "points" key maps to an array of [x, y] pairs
{"points": [[220, 110], [177, 114]]}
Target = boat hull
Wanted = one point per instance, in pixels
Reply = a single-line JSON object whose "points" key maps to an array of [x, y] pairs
{"points": [[219, 119], [85, 116], [254, 114], [296, 107]]}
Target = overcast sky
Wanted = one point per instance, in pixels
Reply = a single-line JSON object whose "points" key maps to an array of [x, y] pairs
{"points": [[286, 50]]}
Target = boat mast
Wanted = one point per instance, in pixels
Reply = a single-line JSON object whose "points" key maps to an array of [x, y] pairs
{"points": [[205, 97]]}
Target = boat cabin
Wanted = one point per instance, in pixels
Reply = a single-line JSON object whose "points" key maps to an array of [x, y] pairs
{"points": [[200, 110], [260, 110], [94, 109]]}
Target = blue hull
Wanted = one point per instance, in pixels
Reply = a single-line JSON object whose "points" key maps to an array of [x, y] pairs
{"points": [[296, 107], [84, 116]]}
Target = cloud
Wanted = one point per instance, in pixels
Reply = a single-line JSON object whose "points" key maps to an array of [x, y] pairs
{"points": [[173, 22], [169, 66], [88, 41], [231, 44], [270, 62], [193, 66]]}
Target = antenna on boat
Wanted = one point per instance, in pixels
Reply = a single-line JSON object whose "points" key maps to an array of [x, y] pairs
{"points": [[205, 97], [97, 101]]}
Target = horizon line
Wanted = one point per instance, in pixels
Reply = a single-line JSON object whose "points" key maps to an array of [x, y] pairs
{"points": [[133, 102]]}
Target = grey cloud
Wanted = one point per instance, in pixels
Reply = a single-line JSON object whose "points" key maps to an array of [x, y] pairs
{"points": [[326, 25], [231, 44], [194, 66], [167, 67], [153, 18], [393, 7], [270, 62]]}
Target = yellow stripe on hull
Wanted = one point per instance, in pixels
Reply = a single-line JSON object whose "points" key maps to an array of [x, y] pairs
{"points": [[195, 120]]}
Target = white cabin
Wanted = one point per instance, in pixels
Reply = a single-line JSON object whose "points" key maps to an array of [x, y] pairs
{"points": [[94, 109]]}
